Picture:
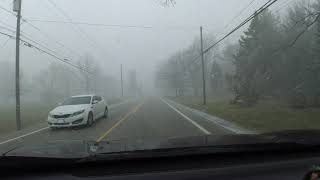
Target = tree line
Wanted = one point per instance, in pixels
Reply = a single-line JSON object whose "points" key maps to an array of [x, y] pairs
{"points": [[276, 57], [58, 81]]}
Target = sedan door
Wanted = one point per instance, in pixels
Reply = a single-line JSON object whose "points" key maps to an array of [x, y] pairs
{"points": [[95, 107], [101, 106]]}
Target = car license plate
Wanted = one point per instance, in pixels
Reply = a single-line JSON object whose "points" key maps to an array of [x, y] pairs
{"points": [[60, 121]]}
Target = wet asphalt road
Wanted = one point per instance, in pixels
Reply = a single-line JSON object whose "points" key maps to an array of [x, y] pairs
{"points": [[139, 118]]}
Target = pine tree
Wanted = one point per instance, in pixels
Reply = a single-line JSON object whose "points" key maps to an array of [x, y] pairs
{"points": [[255, 58], [216, 77]]}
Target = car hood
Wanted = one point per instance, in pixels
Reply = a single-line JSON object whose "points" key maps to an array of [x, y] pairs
{"points": [[52, 149], [68, 109], [80, 148]]}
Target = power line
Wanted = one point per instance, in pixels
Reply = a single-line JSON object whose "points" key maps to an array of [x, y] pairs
{"points": [[30, 45], [260, 10], [284, 5], [113, 25], [239, 13], [30, 39], [91, 24], [265, 6], [5, 43], [42, 32], [1, 7], [87, 37], [47, 6], [50, 38], [10, 36]]}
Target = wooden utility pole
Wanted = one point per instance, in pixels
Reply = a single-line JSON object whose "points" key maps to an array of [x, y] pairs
{"points": [[203, 70], [17, 8], [121, 81]]}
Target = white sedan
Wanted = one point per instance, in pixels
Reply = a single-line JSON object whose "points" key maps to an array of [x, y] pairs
{"points": [[77, 111]]}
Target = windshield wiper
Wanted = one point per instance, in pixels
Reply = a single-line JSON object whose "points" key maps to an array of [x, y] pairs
{"points": [[300, 136], [201, 150]]}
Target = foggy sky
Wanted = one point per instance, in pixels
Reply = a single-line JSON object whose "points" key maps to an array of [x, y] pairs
{"points": [[140, 49]]}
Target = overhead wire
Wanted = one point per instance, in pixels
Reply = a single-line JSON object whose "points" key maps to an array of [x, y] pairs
{"points": [[84, 34], [5, 43], [260, 10], [284, 5], [43, 33], [266, 5], [239, 13], [30, 39], [31, 45], [6, 10], [91, 24], [51, 53], [113, 25]]}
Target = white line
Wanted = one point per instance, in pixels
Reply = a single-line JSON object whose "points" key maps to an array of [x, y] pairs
{"points": [[216, 120], [33, 132], [187, 118]]}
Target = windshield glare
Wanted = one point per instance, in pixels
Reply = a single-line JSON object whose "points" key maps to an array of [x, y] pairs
{"points": [[145, 71], [77, 100]]}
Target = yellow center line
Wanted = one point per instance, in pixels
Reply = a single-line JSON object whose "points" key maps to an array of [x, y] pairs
{"points": [[104, 135]]}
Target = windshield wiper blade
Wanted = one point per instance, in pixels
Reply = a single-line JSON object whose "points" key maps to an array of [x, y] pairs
{"points": [[300, 136], [201, 150], [10, 150]]}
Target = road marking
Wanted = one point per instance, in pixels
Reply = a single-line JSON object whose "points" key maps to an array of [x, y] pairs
{"points": [[135, 109], [36, 131], [187, 118]]}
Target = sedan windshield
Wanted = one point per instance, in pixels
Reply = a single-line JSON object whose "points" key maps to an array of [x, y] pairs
{"points": [[77, 100]]}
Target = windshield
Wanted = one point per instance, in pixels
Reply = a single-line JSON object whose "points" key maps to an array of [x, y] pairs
{"points": [[77, 100], [156, 71]]}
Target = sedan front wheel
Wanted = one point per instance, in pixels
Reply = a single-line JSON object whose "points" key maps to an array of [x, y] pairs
{"points": [[90, 119]]}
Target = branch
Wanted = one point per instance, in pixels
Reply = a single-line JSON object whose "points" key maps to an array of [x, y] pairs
{"points": [[303, 19], [167, 3], [304, 30]]}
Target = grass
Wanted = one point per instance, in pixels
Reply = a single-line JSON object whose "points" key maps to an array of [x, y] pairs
{"points": [[265, 116], [31, 113]]}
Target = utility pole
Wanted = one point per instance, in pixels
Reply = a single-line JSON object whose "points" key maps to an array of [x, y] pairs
{"points": [[17, 8], [121, 81], [203, 70], [176, 80], [95, 82], [86, 74]]}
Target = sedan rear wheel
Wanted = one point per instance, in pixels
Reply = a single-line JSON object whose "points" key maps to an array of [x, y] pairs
{"points": [[90, 119], [105, 115]]}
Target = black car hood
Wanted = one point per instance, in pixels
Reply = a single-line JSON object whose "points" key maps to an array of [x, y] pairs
{"points": [[81, 148]]}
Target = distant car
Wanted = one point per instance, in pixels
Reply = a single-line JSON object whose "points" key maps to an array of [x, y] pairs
{"points": [[78, 111]]}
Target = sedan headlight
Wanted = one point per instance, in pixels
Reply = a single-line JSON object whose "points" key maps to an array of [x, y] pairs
{"points": [[78, 112]]}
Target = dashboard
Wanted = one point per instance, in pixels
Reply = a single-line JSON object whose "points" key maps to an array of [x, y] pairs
{"points": [[236, 166]]}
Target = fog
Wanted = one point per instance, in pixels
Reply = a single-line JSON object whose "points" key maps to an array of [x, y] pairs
{"points": [[139, 34]]}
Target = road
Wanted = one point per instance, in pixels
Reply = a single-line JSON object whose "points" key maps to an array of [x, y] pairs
{"points": [[142, 118]]}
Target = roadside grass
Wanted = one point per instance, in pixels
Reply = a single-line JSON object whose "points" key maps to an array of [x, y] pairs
{"points": [[266, 116], [31, 114]]}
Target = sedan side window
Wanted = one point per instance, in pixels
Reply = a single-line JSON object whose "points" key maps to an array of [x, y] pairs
{"points": [[94, 98], [99, 98]]}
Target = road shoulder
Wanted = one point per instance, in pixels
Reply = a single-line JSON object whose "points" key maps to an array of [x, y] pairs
{"points": [[212, 119]]}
